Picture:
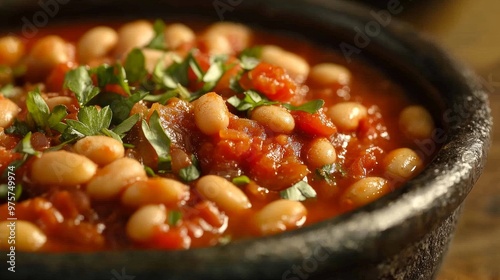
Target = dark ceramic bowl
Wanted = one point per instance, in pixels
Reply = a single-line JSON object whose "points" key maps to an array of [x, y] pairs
{"points": [[404, 235]]}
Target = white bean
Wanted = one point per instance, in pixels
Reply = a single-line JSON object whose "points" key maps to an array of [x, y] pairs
{"points": [[59, 100], [320, 153], [293, 63], [111, 180], [365, 191], [211, 114], [9, 111], [326, 74], [155, 191], [279, 216], [237, 37], [100, 149], [46, 54], [135, 34], [275, 118], [217, 44], [141, 225], [416, 123], [223, 193], [28, 236], [402, 164], [347, 115], [11, 50], [96, 43], [178, 34], [62, 168]]}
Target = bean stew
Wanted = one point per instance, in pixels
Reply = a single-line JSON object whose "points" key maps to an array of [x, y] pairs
{"points": [[150, 135]]}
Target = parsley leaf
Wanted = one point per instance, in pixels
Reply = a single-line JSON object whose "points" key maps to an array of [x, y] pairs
{"points": [[326, 172], [310, 107], [251, 101], [173, 217], [112, 75], [58, 114], [249, 63], [158, 41], [41, 116], [135, 66], [250, 57], [25, 146], [158, 138], [252, 52], [214, 73], [90, 122], [241, 180], [126, 125], [18, 127], [176, 73], [189, 173], [78, 81], [149, 171], [121, 106], [298, 192], [37, 108], [162, 98]]}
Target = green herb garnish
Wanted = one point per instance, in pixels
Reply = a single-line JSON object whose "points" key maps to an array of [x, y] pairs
{"points": [[241, 180], [158, 41], [251, 101], [310, 107], [159, 139], [135, 66], [189, 174], [173, 217], [78, 81], [327, 172], [298, 192]]}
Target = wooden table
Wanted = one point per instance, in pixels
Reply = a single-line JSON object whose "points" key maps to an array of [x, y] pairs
{"points": [[470, 29]]}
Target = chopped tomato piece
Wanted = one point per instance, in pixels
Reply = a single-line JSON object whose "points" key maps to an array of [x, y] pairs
{"points": [[172, 239], [316, 124], [55, 81], [365, 163], [272, 81]]}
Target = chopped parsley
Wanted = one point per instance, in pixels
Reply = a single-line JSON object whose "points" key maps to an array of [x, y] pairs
{"points": [[158, 41], [299, 192], [159, 139], [174, 217], [26, 149], [80, 83], [91, 121], [135, 66], [241, 180], [190, 173], [327, 172], [310, 107], [251, 101]]}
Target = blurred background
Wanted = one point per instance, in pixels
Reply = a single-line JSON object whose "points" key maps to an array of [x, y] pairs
{"points": [[470, 30]]}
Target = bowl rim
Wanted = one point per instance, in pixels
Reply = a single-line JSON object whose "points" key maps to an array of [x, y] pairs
{"points": [[424, 201]]}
